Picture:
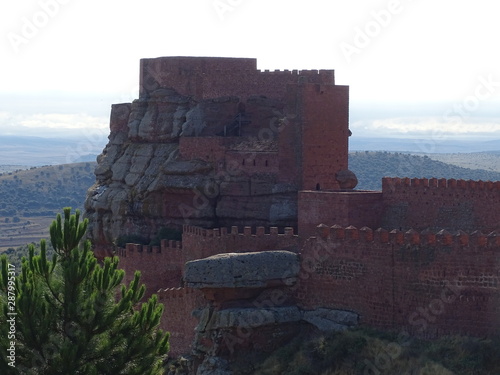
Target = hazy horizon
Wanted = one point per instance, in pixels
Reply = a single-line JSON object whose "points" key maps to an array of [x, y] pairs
{"points": [[413, 70]]}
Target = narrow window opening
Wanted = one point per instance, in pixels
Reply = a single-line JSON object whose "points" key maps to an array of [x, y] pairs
{"points": [[318, 187]]}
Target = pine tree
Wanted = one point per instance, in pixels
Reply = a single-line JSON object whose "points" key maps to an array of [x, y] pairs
{"points": [[72, 317]]}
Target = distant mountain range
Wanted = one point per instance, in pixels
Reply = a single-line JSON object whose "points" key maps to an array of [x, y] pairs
{"points": [[422, 145], [38, 151], [371, 166]]}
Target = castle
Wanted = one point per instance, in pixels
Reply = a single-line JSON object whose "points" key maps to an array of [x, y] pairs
{"points": [[246, 161]]}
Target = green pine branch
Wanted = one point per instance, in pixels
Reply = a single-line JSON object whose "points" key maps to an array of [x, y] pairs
{"points": [[74, 316]]}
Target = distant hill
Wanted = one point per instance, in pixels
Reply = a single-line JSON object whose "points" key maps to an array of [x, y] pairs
{"points": [[38, 151], [423, 145], [30, 199], [370, 167], [489, 161]]}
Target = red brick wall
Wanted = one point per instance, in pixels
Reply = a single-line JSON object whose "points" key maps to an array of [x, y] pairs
{"points": [[211, 149], [250, 163], [160, 266], [325, 128], [201, 243], [289, 152], [211, 77], [358, 208], [178, 319], [432, 203], [425, 283]]}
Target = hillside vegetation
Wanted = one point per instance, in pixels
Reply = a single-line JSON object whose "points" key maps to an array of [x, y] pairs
{"points": [[367, 351], [370, 167], [489, 161], [31, 198]]}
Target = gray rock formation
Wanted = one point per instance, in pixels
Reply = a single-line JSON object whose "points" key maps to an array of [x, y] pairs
{"points": [[327, 320], [346, 179], [251, 306], [243, 270], [143, 184]]}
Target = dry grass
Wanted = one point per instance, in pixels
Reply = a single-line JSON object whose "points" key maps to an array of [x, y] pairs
{"points": [[27, 230]]}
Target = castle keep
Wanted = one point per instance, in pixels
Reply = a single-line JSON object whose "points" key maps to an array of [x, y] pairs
{"points": [[252, 167]]}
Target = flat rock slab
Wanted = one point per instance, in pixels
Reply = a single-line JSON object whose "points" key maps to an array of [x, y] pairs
{"points": [[328, 320], [247, 317], [243, 270]]}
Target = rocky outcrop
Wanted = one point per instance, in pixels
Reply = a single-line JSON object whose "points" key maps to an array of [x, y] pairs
{"points": [[143, 183], [346, 179], [251, 307], [243, 270]]}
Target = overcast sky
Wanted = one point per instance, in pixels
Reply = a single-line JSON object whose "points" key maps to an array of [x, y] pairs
{"points": [[414, 67]]}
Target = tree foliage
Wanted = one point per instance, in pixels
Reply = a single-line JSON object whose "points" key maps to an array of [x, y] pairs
{"points": [[72, 315]]}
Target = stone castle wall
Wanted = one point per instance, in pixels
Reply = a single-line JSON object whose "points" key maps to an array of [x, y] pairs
{"points": [[178, 319], [354, 207], [324, 120], [202, 243], [162, 269], [404, 203], [441, 203], [424, 283], [162, 266], [213, 77], [163, 157]]}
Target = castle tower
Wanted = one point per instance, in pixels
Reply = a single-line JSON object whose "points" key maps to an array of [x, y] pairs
{"points": [[319, 114]]}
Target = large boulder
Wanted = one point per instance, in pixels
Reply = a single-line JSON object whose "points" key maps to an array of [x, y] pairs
{"points": [[243, 270]]}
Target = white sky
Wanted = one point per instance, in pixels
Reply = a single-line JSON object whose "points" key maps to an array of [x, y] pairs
{"points": [[412, 65]]}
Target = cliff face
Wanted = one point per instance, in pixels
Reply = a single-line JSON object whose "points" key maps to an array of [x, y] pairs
{"points": [[168, 164]]}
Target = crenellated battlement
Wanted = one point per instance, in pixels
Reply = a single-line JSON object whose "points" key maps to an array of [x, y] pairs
{"points": [[392, 275], [409, 237], [392, 184], [234, 230], [166, 246], [295, 72], [451, 204], [210, 77], [201, 243]]}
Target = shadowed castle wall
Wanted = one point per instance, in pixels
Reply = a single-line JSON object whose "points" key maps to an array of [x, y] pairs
{"points": [[213, 77], [424, 283], [421, 203]]}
